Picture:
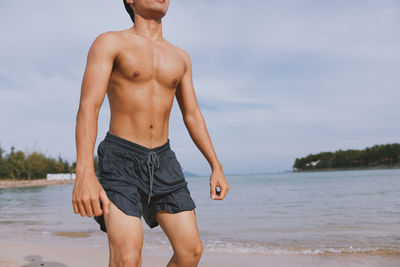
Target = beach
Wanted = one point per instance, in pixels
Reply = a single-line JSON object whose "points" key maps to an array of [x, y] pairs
{"points": [[17, 254], [10, 183], [347, 218]]}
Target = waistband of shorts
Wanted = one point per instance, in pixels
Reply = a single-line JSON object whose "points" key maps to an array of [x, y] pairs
{"points": [[134, 146]]}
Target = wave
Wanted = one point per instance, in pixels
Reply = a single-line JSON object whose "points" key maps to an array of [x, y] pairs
{"points": [[257, 249]]}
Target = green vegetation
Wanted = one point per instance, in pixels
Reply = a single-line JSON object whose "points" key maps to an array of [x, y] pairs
{"points": [[20, 166], [378, 156]]}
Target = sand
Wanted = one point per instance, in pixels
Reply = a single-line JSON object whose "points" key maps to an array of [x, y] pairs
{"points": [[14, 254], [9, 183]]}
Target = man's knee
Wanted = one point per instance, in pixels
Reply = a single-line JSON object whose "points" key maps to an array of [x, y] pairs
{"points": [[124, 259], [190, 254], [198, 251]]}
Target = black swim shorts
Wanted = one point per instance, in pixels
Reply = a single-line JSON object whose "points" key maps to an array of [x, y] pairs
{"points": [[141, 181]]}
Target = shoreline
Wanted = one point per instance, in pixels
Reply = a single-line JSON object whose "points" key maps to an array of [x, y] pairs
{"points": [[348, 169], [19, 254], [10, 183]]}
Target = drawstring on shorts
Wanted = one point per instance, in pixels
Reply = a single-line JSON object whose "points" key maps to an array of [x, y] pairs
{"points": [[152, 160]]}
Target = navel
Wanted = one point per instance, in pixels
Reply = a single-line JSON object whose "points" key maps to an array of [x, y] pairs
{"points": [[151, 126]]}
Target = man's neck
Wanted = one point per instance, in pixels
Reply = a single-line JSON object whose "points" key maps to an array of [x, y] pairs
{"points": [[148, 28]]}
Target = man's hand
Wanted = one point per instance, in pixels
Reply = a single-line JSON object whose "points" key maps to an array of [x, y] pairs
{"points": [[86, 194], [217, 179]]}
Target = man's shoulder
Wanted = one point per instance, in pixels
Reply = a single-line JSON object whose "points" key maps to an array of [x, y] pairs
{"points": [[184, 54], [107, 37], [182, 51], [106, 41]]}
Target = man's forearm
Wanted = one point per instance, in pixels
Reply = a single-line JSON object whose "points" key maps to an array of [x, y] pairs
{"points": [[85, 135], [197, 129]]}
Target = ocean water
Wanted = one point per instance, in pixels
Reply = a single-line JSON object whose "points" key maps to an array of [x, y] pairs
{"points": [[340, 212]]}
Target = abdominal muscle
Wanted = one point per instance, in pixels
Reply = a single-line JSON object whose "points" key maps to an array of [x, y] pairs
{"points": [[140, 111]]}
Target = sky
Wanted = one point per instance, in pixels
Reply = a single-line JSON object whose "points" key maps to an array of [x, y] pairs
{"points": [[275, 80]]}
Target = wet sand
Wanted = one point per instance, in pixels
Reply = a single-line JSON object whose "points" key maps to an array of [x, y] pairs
{"points": [[17, 254], [9, 183]]}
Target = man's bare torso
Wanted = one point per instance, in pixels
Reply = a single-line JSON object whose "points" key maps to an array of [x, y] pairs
{"points": [[141, 88]]}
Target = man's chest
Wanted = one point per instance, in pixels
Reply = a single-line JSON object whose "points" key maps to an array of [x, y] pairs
{"points": [[164, 65]]}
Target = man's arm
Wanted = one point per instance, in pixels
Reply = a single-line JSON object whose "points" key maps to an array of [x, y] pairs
{"points": [[195, 123], [87, 189]]}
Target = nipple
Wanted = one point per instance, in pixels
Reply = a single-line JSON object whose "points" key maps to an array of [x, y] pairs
{"points": [[174, 81], [135, 74]]}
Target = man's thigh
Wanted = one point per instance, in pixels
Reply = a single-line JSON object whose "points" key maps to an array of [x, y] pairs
{"points": [[181, 229], [125, 232]]}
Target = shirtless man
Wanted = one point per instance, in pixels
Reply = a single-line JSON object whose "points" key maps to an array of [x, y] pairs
{"points": [[140, 72]]}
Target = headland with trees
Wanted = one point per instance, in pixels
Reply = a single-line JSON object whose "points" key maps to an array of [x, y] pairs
{"points": [[19, 165], [375, 157]]}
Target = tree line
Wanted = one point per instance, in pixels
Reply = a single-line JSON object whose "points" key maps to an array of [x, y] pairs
{"points": [[378, 156], [35, 165]]}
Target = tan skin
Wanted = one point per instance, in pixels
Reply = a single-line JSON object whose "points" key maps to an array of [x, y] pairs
{"points": [[141, 73]]}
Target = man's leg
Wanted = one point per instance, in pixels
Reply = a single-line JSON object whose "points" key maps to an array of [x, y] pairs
{"points": [[125, 238], [182, 232]]}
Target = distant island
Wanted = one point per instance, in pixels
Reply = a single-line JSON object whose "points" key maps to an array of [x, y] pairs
{"points": [[376, 157], [18, 167]]}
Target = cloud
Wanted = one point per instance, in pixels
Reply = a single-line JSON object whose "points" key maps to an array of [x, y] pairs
{"points": [[275, 80]]}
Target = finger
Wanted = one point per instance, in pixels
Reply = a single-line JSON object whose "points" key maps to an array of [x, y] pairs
{"points": [[105, 201], [212, 190], [88, 207], [75, 206], [96, 207], [81, 209]]}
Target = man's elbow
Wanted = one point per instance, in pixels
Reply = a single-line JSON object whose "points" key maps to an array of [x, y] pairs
{"points": [[192, 116], [86, 108]]}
